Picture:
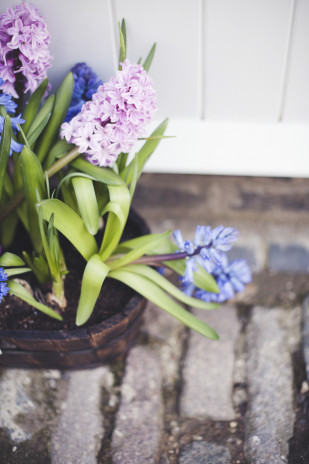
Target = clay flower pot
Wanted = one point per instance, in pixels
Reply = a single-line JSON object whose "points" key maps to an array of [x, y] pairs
{"points": [[81, 347]]}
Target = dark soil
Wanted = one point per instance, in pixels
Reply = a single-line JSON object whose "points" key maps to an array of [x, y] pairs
{"points": [[16, 314]]}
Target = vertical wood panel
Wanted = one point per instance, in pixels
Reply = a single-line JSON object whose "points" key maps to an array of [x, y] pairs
{"points": [[80, 31], [297, 90], [245, 52], [173, 24]]}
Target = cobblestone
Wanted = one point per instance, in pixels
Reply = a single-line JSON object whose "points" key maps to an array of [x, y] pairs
{"points": [[208, 368], [184, 398], [204, 453], [79, 431], [305, 335], [139, 419], [270, 416]]}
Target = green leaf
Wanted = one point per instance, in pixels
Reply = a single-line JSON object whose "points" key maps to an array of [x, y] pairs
{"points": [[70, 225], [10, 259], [5, 150], [18, 290], [17, 270], [62, 102], [61, 148], [123, 247], [93, 278], [167, 286], [138, 251], [34, 187], [87, 202], [144, 153], [154, 293], [39, 266], [53, 263], [148, 61], [105, 175], [40, 121], [120, 202], [123, 41], [33, 105]]}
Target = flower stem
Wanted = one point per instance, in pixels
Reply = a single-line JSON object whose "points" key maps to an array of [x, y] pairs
{"points": [[18, 198]]}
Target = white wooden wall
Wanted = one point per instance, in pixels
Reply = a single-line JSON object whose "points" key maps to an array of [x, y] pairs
{"points": [[232, 75]]}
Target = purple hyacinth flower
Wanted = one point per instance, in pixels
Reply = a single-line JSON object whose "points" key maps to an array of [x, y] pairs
{"points": [[24, 49], [115, 117]]}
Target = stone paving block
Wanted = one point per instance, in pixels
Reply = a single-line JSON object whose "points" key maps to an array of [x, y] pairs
{"points": [[305, 334], [79, 432], [139, 418], [290, 258], [29, 407], [157, 323], [204, 453], [208, 367], [270, 414]]}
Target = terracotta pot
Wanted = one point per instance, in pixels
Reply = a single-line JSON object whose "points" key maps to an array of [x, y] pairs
{"points": [[81, 347]]}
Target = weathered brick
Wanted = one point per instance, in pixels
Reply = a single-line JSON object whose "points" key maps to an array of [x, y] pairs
{"points": [[289, 258]]}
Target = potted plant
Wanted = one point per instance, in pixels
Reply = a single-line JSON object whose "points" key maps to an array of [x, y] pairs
{"points": [[67, 232]]}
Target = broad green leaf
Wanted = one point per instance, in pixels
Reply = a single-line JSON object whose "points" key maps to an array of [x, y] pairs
{"points": [[87, 202], [154, 293], [202, 279], [123, 247], [34, 187], [52, 263], [122, 161], [17, 270], [62, 102], [120, 198], [93, 278], [148, 61], [70, 225], [33, 105], [60, 148], [10, 259], [123, 41], [39, 266], [138, 251], [144, 153], [8, 227], [5, 150], [135, 176], [167, 286], [105, 175], [18, 290], [40, 121]]}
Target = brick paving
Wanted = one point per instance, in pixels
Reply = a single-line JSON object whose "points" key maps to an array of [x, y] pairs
{"points": [[179, 398]]}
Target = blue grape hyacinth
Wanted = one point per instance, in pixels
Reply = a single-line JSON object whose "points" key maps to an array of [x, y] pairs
{"points": [[10, 107], [3, 287], [86, 83], [208, 251]]}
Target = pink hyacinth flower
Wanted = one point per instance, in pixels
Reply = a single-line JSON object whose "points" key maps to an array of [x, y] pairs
{"points": [[116, 116]]}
